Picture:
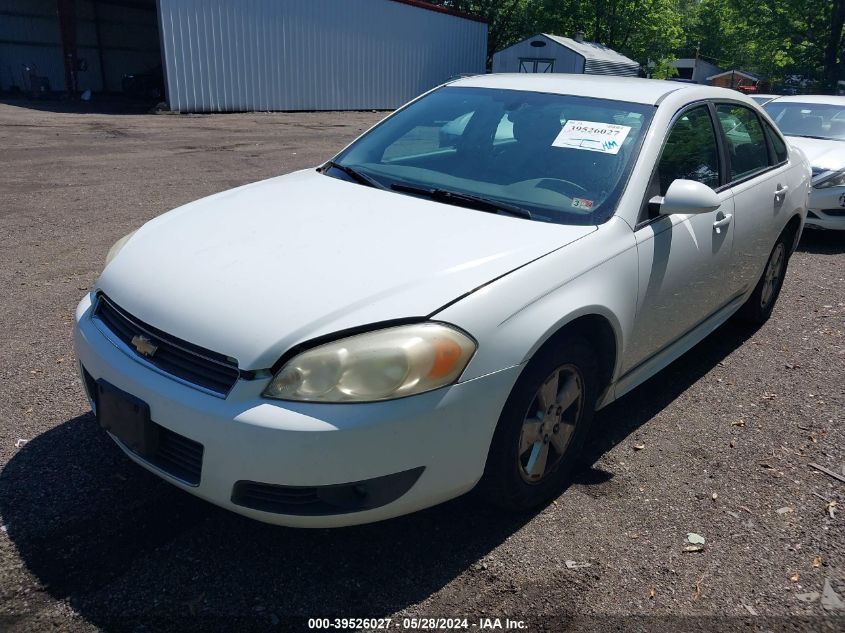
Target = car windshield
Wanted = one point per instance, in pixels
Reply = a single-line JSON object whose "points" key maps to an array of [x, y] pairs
{"points": [[813, 120], [562, 158]]}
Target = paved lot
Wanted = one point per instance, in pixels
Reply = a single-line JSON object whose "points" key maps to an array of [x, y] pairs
{"points": [[717, 444]]}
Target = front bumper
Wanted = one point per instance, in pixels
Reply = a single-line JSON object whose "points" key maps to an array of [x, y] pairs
{"points": [[827, 208], [247, 438]]}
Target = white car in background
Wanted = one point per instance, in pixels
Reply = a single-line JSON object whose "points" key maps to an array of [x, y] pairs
{"points": [[384, 332], [762, 99], [816, 125]]}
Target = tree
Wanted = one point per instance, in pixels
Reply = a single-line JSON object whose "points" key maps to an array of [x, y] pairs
{"points": [[642, 29], [775, 38], [507, 20], [833, 52], [645, 30]]}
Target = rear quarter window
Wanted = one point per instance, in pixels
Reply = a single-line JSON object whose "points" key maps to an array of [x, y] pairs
{"points": [[778, 145]]}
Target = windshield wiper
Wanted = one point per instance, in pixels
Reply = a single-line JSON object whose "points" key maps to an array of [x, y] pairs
{"points": [[360, 176], [464, 200]]}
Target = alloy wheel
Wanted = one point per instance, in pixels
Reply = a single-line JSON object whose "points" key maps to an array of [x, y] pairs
{"points": [[549, 423], [772, 276]]}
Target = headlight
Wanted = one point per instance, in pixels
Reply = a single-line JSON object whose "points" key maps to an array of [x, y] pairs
{"points": [[382, 365], [830, 179], [119, 244]]}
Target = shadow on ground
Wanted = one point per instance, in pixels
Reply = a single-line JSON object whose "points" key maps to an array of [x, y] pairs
{"points": [[98, 105], [822, 242], [127, 550], [130, 552], [617, 421]]}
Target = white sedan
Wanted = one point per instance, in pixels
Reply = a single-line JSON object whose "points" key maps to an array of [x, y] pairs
{"points": [[408, 321], [816, 125]]}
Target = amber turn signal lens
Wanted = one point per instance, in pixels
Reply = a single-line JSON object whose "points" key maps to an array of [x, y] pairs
{"points": [[446, 354]]}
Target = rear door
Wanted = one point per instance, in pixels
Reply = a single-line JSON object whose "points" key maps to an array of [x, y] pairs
{"points": [[764, 184], [684, 260]]}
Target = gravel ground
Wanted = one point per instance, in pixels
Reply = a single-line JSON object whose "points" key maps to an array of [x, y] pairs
{"points": [[717, 444]]}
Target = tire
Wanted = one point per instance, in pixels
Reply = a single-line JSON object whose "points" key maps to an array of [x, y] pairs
{"points": [[512, 476], [758, 308]]}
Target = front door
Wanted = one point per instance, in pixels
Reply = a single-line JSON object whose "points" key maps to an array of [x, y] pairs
{"points": [[685, 260]]}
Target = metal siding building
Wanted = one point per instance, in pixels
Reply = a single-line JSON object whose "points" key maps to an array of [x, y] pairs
{"points": [[230, 55], [29, 35], [113, 39], [556, 54], [121, 38]]}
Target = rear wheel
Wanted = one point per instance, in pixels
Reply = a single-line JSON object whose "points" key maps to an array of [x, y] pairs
{"points": [[543, 426], [758, 308]]}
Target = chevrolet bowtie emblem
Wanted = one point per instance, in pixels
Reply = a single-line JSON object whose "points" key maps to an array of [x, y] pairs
{"points": [[143, 345]]}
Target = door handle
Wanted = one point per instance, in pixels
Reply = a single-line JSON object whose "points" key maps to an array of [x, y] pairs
{"points": [[722, 222], [780, 193]]}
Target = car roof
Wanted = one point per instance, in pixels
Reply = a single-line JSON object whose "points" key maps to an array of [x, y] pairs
{"points": [[830, 99], [631, 89]]}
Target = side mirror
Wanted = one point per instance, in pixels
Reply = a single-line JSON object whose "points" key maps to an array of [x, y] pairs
{"points": [[687, 196]]}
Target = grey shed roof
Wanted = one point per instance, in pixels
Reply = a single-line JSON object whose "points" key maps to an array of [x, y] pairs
{"points": [[598, 59]]}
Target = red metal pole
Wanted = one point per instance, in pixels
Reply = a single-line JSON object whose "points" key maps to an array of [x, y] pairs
{"points": [[67, 30]]}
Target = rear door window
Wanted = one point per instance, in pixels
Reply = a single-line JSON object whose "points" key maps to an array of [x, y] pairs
{"points": [[746, 141]]}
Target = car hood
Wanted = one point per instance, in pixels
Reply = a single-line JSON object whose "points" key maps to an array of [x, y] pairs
{"points": [[253, 271], [823, 155]]}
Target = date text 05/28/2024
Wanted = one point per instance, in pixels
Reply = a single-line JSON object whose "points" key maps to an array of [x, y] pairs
{"points": [[425, 624]]}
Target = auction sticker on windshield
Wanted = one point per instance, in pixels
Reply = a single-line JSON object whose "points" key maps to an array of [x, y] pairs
{"points": [[592, 136]]}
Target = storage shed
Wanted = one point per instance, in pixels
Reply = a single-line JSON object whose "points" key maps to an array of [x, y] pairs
{"points": [[695, 69], [546, 53], [736, 79], [231, 55]]}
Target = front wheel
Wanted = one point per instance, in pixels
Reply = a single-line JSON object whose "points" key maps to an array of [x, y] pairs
{"points": [[542, 426], [758, 308]]}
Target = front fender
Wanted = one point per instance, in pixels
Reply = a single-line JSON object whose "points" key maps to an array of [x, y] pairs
{"points": [[514, 316]]}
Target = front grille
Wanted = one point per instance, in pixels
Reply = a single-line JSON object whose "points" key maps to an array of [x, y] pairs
{"points": [[186, 361], [836, 213], [177, 455]]}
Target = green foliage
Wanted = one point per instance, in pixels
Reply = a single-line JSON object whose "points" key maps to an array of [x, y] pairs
{"points": [[775, 38], [663, 69]]}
